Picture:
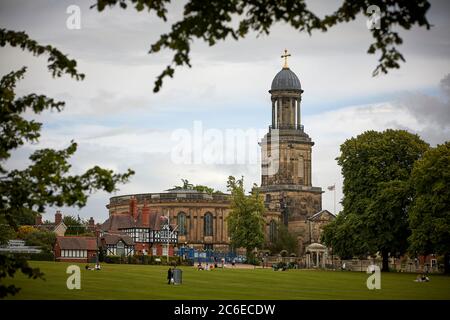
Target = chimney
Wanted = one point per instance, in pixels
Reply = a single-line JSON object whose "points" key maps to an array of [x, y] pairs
{"points": [[145, 215], [97, 232], [133, 207], [58, 217], [38, 220], [91, 225]]}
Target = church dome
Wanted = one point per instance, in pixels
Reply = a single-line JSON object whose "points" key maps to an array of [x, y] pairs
{"points": [[286, 80]]}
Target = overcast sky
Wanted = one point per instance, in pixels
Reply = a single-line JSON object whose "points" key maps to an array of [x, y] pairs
{"points": [[120, 123]]}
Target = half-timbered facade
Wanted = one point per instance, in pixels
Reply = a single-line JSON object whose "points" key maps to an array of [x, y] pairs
{"points": [[117, 245], [148, 230]]}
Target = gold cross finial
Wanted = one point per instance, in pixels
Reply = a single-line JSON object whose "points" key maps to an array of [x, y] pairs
{"points": [[285, 55]]}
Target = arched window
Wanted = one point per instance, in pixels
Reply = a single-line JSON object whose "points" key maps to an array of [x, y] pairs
{"points": [[208, 225], [181, 223], [272, 231]]}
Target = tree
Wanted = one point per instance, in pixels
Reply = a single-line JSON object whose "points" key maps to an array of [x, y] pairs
{"points": [[47, 181], [41, 238], [74, 225], [200, 188], [386, 220], [6, 231], [24, 231], [211, 21], [376, 167], [429, 215], [284, 240], [341, 235], [245, 221]]}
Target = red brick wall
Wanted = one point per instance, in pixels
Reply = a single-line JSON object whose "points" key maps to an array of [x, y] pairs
{"points": [[79, 260], [159, 250]]}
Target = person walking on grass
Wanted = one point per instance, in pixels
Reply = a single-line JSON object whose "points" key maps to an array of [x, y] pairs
{"points": [[169, 275]]}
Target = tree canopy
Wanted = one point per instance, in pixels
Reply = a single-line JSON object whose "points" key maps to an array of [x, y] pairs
{"points": [[376, 167], [74, 225], [429, 215], [200, 188], [48, 180], [284, 240], [213, 21]]}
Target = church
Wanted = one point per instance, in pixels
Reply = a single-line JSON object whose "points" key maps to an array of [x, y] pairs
{"points": [[199, 220]]}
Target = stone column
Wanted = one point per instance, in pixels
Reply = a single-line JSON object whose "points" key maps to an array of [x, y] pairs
{"points": [[317, 259], [188, 224], [222, 239], [280, 111], [273, 114], [275, 108], [225, 230], [215, 225], [292, 112], [298, 112], [200, 226], [195, 217]]}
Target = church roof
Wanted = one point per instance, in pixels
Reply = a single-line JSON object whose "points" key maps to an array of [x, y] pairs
{"points": [[319, 214], [286, 79]]}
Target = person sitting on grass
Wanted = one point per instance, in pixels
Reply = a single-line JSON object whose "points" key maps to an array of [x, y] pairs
{"points": [[422, 278]]}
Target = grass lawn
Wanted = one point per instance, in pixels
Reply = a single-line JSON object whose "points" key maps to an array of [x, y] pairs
{"points": [[149, 282]]}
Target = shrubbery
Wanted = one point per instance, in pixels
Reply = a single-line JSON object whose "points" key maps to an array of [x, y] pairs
{"points": [[149, 260], [43, 256]]}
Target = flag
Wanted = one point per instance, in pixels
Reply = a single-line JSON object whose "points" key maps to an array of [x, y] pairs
{"points": [[331, 188]]}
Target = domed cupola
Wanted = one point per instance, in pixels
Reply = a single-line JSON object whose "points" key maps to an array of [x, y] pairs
{"points": [[286, 80], [286, 95]]}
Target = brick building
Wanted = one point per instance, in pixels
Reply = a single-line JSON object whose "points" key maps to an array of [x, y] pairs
{"points": [[76, 249]]}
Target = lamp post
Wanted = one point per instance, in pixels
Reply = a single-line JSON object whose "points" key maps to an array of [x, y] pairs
{"points": [[169, 235]]}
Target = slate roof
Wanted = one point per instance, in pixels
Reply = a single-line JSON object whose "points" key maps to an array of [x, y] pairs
{"points": [[77, 243], [115, 238], [49, 226], [119, 221]]}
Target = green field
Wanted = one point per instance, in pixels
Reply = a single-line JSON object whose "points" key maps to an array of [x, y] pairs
{"points": [[149, 282]]}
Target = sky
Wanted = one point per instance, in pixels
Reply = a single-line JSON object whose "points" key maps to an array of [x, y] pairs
{"points": [[206, 122]]}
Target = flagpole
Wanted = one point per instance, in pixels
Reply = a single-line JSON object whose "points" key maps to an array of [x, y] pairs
{"points": [[334, 198]]}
